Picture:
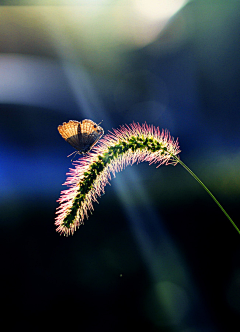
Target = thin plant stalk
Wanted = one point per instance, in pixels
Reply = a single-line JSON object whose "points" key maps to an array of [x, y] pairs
{"points": [[207, 190]]}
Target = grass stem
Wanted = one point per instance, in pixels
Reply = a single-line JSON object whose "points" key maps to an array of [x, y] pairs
{"points": [[207, 190]]}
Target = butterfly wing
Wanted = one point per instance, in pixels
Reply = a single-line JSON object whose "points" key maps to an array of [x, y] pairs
{"points": [[69, 131], [90, 134], [81, 135]]}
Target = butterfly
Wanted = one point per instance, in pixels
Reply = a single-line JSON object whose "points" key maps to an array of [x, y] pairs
{"points": [[81, 135]]}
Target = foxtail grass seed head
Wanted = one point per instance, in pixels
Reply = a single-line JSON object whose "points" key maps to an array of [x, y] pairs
{"points": [[125, 146]]}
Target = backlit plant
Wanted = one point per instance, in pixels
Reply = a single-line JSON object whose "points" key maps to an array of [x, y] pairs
{"points": [[122, 147]]}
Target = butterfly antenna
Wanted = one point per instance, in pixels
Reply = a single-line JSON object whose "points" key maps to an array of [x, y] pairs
{"points": [[100, 122]]}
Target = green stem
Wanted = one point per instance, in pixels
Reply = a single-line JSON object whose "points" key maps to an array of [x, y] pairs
{"points": [[207, 190]]}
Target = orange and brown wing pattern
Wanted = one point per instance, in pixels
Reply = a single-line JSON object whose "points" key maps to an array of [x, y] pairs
{"points": [[90, 133], [88, 126], [68, 129], [81, 135]]}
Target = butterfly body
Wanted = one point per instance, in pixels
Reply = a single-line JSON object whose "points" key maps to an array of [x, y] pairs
{"points": [[81, 135]]}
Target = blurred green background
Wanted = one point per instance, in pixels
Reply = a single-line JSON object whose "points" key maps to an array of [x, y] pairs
{"points": [[157, 253]]}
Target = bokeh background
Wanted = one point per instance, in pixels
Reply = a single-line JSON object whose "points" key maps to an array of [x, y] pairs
{"points": [[157, 253]]}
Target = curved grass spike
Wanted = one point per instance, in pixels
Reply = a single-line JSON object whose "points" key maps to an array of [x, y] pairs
{"points": [[122, 147]]}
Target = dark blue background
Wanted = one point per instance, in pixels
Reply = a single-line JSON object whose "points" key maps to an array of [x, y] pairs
{"points": [[157, 253]]}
